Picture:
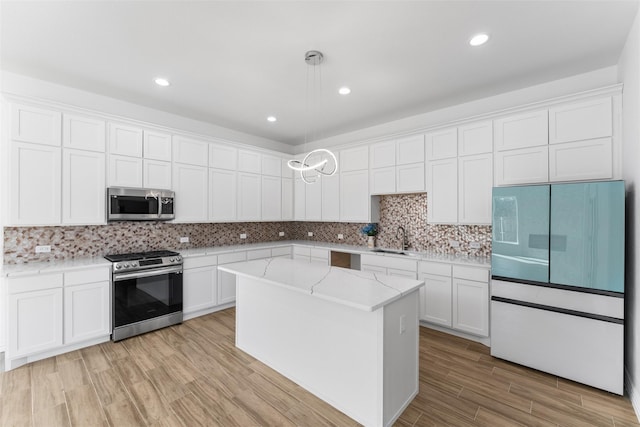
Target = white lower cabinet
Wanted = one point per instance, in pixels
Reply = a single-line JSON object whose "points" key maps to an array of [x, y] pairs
{"points": [[199, 288], [227, 281], [306, 253], [436, 299], [86, 311], [471, 307]]}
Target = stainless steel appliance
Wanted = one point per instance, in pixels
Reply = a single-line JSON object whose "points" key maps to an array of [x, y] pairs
{"points": [[139, 204], [146, 291]]}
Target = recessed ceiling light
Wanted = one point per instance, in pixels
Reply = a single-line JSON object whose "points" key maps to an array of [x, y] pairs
{"points": [[478, 39], [344, 90], [162, 82], [272, 119]]}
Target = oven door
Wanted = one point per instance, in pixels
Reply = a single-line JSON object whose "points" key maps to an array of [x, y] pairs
{"points": [[148, 294]]}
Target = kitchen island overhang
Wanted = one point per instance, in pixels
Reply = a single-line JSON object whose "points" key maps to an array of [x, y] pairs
{"points": [[347, 336]]}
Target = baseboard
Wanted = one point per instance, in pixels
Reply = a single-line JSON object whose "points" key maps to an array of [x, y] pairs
{"points": [[482, 340], [632, 392]]}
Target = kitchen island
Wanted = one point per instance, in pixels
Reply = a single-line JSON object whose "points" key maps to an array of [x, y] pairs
{"points": [[347, 336]]}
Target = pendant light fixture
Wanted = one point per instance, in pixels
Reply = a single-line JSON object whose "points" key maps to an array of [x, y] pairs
{"points": [[320, 161]]}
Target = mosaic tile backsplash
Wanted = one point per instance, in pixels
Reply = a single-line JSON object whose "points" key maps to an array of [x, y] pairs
{"points": [[407, 210]]}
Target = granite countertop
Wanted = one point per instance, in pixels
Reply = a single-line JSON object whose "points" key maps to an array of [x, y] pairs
{"points": [[13, 270], [366, 291]]}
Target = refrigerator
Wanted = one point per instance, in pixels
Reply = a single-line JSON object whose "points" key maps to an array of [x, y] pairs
{"points": [[557, 288]]}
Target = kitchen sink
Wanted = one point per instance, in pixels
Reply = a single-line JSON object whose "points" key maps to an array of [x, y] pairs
{"points": [[392, 251]]}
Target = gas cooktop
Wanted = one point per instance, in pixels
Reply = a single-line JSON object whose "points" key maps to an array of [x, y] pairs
{"points": [[135, 256]]}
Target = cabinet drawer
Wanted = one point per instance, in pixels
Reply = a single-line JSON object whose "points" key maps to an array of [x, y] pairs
{"points": [[281, 251], [201, 261], [259, 254], [302, 250], [390, 262], [232, 257], [401, 273], [437, 268], [471, 273], [92, 275], [34, 283], [319, 253], [373, 269]]}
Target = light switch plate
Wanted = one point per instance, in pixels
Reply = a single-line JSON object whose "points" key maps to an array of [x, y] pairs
{"points": [[281, 233], [184, 240], [243, 236], [310, 233], [340, 236], [474, 245]]}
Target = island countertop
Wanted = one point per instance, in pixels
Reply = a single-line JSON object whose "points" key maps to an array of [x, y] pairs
{"points": [[366, 291]]}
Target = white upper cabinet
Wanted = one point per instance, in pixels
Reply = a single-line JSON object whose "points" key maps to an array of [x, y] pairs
{"points": [[36, 184], [271, 165], [249, 197], [84, 133], [355, 201], [442, 191], [475, 138], [442, 144], [125, 171], [410, 178], [331, 198], [410, 150], [581, 160], [156, 174], [36, 125], [222, 195], [383, 180], [190, 151], [313, 201], [581, 120], [125, 140], [286, 171], [83, 187], [521, 131], [287, 199], [249, 161], [354, 159], [299, 202], [156, 146], [475, 183], [190, 184], [272, 197], [223, 157], [522, 166], [383, 154]]}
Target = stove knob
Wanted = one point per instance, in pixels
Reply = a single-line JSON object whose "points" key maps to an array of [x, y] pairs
{"points": [[126, 266], [178, 258], [172, 259], [118, 266]]}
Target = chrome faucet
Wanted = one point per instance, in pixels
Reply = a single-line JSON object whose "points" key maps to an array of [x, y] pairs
{"points": [[402, 234]]}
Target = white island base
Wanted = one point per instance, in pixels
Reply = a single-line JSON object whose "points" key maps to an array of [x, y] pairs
{"points": [[362, 362]]}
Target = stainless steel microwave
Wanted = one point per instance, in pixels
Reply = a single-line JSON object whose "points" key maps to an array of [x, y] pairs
{"points": [[139, 204]]}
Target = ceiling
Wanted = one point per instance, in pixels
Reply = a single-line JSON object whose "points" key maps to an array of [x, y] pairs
{"points": [[233, 63]]}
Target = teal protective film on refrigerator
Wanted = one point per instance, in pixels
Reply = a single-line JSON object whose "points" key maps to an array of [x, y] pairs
{"points": [[520, 233], [587, 235]]}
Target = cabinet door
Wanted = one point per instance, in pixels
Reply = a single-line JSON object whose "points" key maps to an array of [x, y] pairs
{"points": [[287, 199], [249, 161], [383, 181], [580, 121], [354, 196], [199, 289], [471, 307], [36, 125], [383, 154], [125, 140], [475, 138], [299, 203], [442, 191], [331, 198], [410, 150], [581, 160], [313, 201], [521, 131], [222, 195], [249, 197], [83, 133], [36, 188], [156, 174], [475, 180], [83, 187], [223, 157], [410, 178], [190, 185], [442, 144], [271, 165], [86, 312], [523, 166], [190, 151], [354, 159], [226, 287], [271, 197], [35, 322], [157, 146], [437, 303], [125, 171]]}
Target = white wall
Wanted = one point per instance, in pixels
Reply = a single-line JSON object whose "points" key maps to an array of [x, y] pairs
{"points": [[11, 83], [629, 75]]}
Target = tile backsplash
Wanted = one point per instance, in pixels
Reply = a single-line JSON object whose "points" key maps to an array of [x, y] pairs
{"points": [[407, 210]]}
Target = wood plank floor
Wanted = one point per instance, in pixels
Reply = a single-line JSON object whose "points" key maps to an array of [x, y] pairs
{"points": [[192, 375]]}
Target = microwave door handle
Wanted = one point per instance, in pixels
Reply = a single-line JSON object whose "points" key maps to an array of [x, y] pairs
{"points": [[159, 206]]}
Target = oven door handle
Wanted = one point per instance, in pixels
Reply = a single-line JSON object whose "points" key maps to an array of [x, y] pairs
{"points": [[153, 272]]}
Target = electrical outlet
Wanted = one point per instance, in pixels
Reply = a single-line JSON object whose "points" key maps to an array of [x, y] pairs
{"points": [[184, 240], [281, 234], [340, 236], [43, 249], [243, 236], [474, 245], [310, 233], [454, 243]]}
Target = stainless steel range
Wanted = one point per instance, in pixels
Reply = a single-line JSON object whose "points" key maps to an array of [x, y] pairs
{"points": [[146, 291]]}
